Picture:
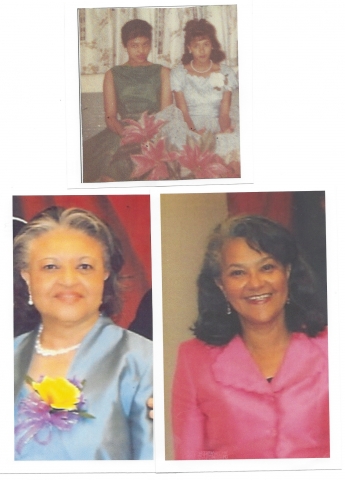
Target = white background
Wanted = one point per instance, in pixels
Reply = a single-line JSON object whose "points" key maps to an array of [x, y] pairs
{"points": [[298, 135]]}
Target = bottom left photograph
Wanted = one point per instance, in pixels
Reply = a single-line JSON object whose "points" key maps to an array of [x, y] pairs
{"points": [[82, 327]]}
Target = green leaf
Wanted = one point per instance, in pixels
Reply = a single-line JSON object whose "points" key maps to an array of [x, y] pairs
{"points": [[85, 415], [28, 379]]}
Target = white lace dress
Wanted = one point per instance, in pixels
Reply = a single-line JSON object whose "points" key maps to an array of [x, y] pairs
{"points": [[203, 96]]}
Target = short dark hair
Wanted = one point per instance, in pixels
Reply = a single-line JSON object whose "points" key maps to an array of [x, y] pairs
{"points": [[302, 313], [135, 28], [76, 219], [200, 29]]}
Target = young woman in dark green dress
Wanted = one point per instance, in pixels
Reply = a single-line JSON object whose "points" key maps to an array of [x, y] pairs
{"points": [[129, 90]]}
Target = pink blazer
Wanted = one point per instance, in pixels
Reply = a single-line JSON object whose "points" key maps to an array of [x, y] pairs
{"points": [[224, 408]]}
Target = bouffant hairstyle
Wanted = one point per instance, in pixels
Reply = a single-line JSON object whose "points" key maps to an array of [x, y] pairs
{"points": [[302, 313], [135, 28], [76, 219], [199, 30]]}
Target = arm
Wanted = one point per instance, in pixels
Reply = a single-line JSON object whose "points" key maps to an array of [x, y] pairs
{"points": [[140, 424], [224, 113], [187, 419], [110, 104], [166, 94], [182, 105]]}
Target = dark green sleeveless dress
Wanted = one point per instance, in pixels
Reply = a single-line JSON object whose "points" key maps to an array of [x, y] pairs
{"points": [[138, 90]]}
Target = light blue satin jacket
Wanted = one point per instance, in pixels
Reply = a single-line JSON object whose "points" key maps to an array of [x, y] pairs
{"points": [[116, 365]]}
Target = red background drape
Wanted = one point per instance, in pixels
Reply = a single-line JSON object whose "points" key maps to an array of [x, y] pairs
{"points": [[277, 206], [129, 217]]}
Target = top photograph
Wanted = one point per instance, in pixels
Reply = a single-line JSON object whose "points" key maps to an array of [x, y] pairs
{"points": [[159, 94]]}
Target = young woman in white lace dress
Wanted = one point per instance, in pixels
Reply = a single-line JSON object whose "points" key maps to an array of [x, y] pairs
{"points": [[203, 90]]}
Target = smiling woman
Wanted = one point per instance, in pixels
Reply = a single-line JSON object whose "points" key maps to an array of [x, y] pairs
{"points": [[254, 381], [65, 276], [254, 283], [81, 382]]}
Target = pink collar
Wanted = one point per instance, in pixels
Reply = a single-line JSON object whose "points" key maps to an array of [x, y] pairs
{"points": [[234, 366]]}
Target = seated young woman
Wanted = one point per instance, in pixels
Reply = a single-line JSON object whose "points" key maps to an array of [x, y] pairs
{"points": [[202, 88], [129, 90]]}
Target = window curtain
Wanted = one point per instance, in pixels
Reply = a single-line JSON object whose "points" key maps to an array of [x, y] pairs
{"points": [[100, 34], [129, 218]]}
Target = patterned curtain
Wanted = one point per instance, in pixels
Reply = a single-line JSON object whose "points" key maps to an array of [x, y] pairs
{"points": [[100, 34]]}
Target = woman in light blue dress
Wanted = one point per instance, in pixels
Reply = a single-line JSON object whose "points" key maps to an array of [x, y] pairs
{"points": [[204, 91], [81, 382]]}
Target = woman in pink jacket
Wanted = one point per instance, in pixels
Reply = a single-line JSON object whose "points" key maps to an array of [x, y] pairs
{"points": [[254, 381]]}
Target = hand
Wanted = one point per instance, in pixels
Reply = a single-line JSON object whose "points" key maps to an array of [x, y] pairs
{"points": [[150, 407], [229, 128], [119, 128], [200, 132], [114, 125]]}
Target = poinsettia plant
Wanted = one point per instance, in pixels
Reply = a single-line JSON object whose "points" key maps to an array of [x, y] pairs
{"points": [[158, 160], [202, 164], [142, 131], [154, 161]]}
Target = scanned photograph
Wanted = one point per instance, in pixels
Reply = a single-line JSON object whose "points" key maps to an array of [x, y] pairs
{"points": [[245, 325], [82, 328], [159, 93]]}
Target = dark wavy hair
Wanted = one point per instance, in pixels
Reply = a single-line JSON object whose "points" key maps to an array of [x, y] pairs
{"points": [[135, 28], [201, 29], [27, 316], [303, 312]]}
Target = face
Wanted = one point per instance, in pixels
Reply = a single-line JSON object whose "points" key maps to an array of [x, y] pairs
{"points": [[65, 276], [138, 49], [255, 284], [201, 49]]}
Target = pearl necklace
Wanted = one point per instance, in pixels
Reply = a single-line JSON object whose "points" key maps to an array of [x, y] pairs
{"points": [[46, 352], [198, 71]]}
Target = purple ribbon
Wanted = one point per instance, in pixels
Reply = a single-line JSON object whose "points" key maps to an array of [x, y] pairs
{"points": [[37, 419]]}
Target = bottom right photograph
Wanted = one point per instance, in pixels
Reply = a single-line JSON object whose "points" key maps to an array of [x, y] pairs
{"points": [[244, 283]]}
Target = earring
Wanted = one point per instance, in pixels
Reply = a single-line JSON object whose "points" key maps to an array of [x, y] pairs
{"points": [[228, 309], [30, 302], [288, 301]]}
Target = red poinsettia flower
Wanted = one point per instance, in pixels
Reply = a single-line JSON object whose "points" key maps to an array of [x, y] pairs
{"points": [[153, 160], [142, 131], [204, 164], [234, 169]]}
